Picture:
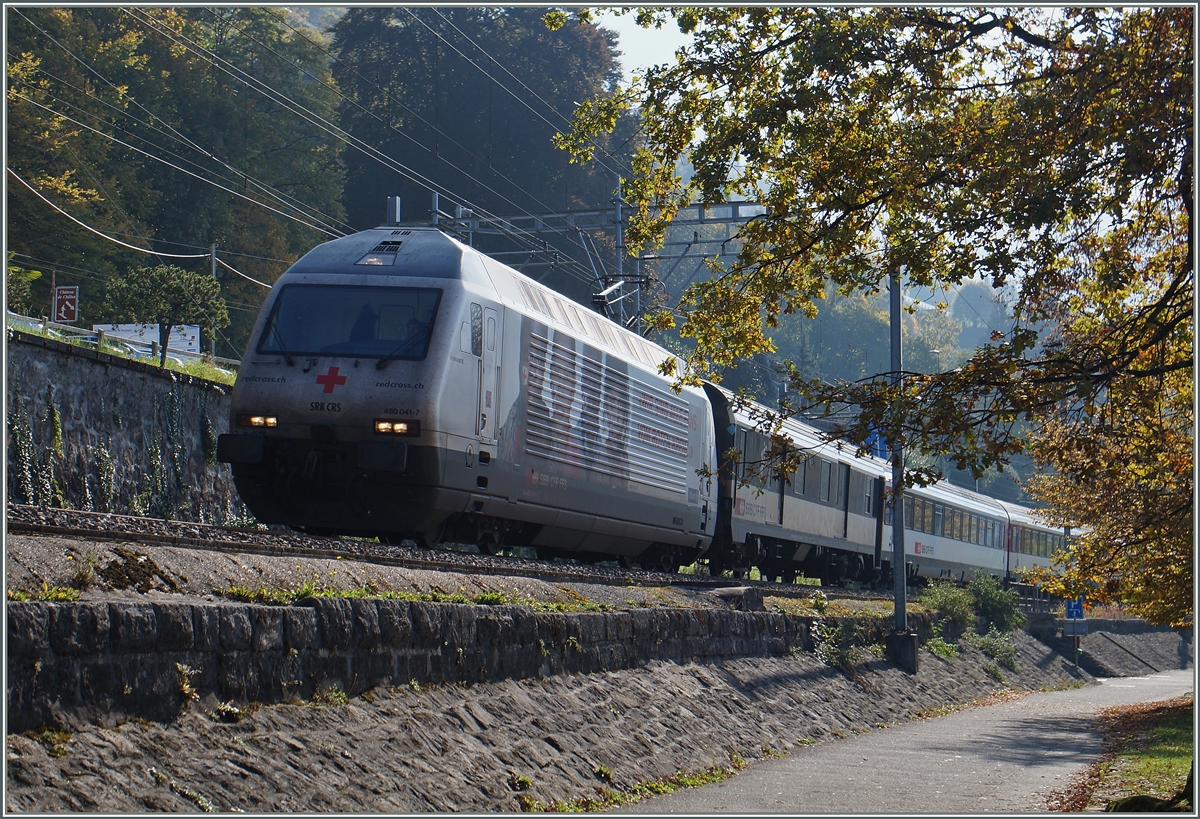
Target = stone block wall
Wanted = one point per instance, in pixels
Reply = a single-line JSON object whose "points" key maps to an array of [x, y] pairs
{"points": [[107, 660], [97, 432]]}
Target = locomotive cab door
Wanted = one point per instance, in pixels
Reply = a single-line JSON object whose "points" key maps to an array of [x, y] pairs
{"points": [[489, 362]]}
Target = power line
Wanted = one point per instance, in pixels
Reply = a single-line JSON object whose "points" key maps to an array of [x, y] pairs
{"points": [[93, 230], [97, 131], [501, 66], [571, 269], [174, 134], [316, 119]]}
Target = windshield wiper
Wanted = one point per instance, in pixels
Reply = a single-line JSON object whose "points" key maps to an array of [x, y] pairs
{"points": [[279, 340], [401, 349]]}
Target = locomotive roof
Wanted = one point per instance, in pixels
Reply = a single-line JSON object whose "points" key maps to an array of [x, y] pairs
{"points": [[437, 255]]}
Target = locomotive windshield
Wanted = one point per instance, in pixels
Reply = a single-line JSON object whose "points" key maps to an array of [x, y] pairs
{"points": [[362, 322]]}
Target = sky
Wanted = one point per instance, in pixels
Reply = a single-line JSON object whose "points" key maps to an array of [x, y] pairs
{"points": [[642, 47]]}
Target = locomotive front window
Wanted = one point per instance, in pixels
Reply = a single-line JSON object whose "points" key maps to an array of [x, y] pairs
{"points": [[359, 322]]}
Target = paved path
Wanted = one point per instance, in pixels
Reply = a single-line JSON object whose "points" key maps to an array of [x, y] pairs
{"points": [[1004, 757]]}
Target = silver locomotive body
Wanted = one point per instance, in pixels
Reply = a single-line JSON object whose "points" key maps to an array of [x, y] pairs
{"points": [[401, 384]]}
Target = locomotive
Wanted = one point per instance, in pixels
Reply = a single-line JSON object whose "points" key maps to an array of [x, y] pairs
{"points": [[402, 385]]}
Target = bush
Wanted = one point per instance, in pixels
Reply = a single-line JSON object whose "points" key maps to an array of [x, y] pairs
{"points": [[953, 603], [998, 605], [995, 644], [938, 647]]}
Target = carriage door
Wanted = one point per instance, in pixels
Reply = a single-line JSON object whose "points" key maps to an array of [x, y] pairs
{"points": [[489, 401]]}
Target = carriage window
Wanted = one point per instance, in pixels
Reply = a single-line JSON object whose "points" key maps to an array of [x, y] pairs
{"points": [[366, 322], [869, 497], [826, 479], [938, 519]]}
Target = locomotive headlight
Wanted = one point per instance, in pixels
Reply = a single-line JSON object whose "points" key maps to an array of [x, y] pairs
{"points": [[387, 426], [247, 420]]}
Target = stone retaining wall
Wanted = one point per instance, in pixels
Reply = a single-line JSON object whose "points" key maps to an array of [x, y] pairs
{"points": [[98, 432], [104, 661]]}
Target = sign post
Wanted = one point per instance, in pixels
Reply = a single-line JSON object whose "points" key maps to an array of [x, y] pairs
{"points": [[66, 304], [1075, 626]]}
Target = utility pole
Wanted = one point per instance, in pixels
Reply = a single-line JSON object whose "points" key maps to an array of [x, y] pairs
{"points": [[899, 570], [212, 269]]}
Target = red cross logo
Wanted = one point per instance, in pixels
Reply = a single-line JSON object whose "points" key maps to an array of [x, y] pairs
{"points": [[331, 379]]}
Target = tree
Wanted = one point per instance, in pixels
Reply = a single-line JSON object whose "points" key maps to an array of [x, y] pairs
{"points": [[1044, 150], [168, 296], [949, 145], [170, 130], [1120, 473], [16, 285]]}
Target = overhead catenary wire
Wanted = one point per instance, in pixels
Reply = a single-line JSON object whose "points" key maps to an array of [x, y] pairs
{"points": [[571, 270], [322, 123], [566, 120], [35, 192]]}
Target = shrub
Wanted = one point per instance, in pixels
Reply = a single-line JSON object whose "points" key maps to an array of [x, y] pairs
{"points": [[953, 603], [942, 649], [995, 644], [998, 605]]}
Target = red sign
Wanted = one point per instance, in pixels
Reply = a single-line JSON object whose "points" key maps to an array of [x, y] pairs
{"points": [[66, 304], [331, 379]]}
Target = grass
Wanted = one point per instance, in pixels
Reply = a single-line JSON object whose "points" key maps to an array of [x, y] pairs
{"points": [[47, 594], [1155, 758], [1148, 753], [607, 798], [310, 588]]}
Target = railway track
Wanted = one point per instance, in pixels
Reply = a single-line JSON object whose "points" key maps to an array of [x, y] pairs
{"points": [[99, 526]]}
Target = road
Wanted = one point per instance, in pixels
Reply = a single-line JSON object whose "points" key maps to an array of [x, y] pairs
{"points": [[1004, 757]]}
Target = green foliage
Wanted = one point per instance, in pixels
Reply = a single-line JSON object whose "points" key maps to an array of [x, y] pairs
{"points": [[168, 296], [145, 75], [1000, 606], [1018, 148], [55, 739], [995, 644], [938, 647], [46, 594], [950, 600], [17, 281]]}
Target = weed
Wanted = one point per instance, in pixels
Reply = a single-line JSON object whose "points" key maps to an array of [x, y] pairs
{"points": [[545, 652], [184, 674], [490, 599], [85, 574], [573, 642], [330, 694], [228, 712], [55, 739], [995, 645], [414, 685], [47, 594], [604, 773], [941, 649], [519, 783], [952, 602], [993, 671], [806, 741], [159, 777], [819, 602], [998, 605]]}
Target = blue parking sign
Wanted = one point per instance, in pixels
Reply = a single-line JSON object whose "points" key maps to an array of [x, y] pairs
{"points": [[1075, 609]]}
